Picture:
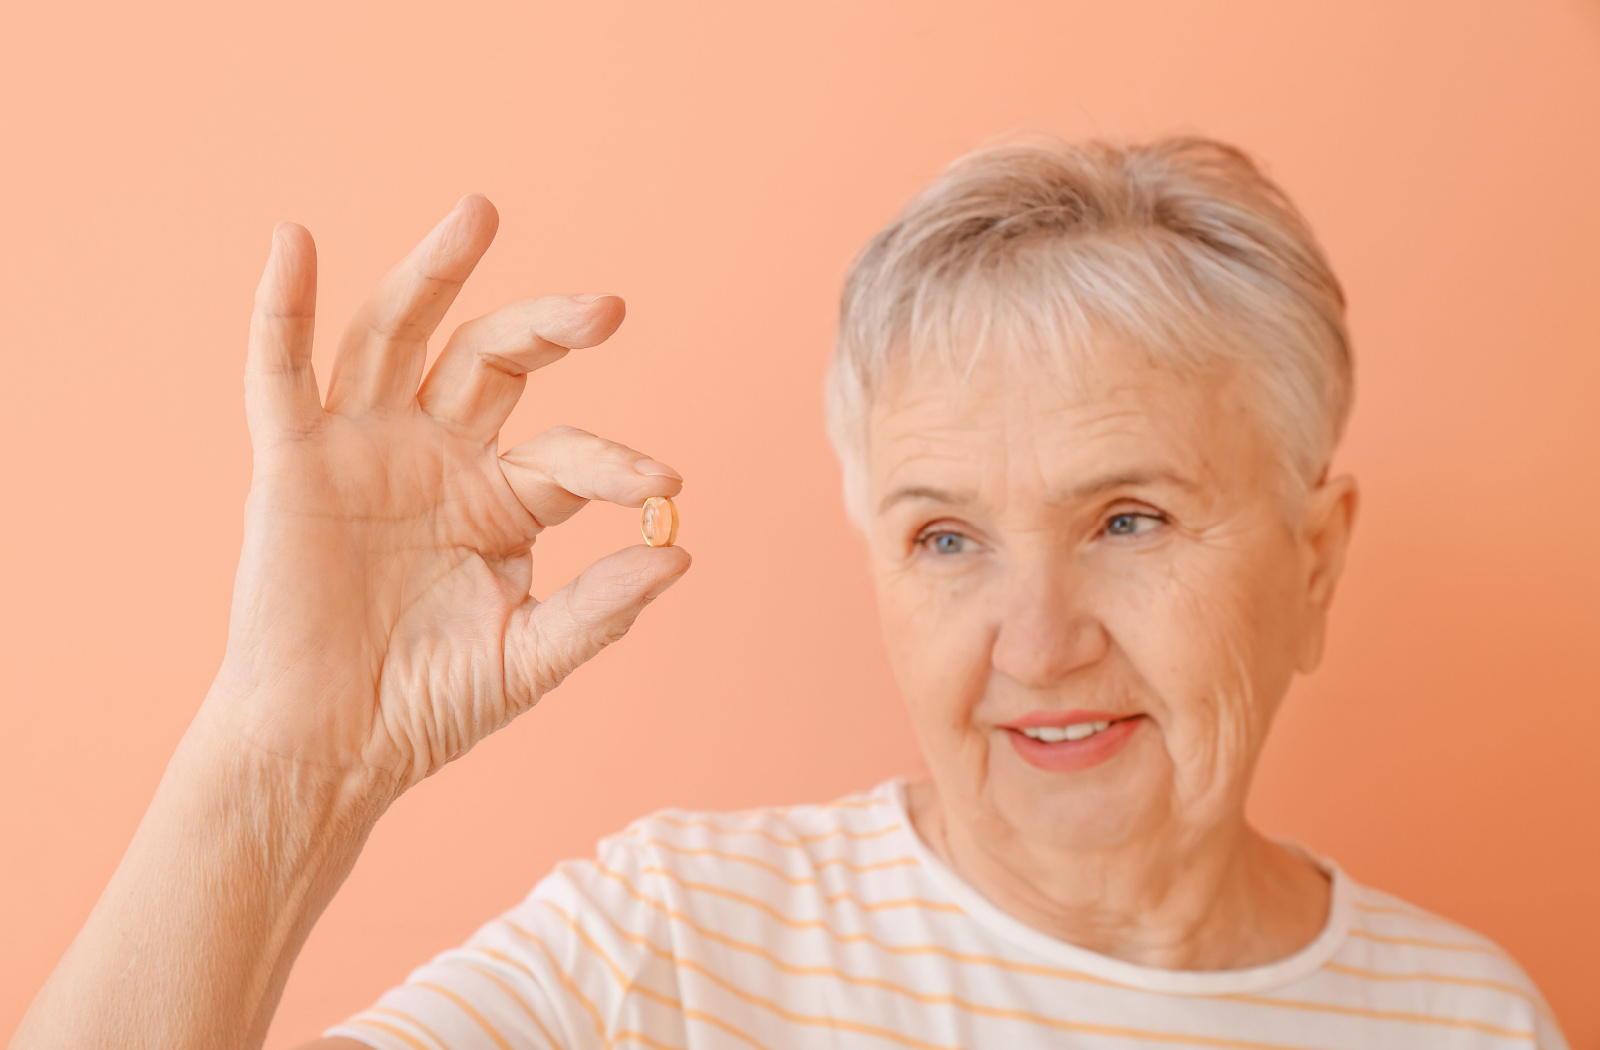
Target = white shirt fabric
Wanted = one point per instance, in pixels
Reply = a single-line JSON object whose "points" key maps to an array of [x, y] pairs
{"points": [[834, 926]]}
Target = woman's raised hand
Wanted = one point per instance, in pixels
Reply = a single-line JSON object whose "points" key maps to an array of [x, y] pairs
{"points": [[381, 619], [381, 626]]}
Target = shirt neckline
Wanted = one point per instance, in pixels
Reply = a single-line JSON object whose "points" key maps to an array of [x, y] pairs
{"points": [[1288, 970]]}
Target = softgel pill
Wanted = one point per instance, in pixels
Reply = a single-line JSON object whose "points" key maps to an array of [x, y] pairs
{"points": [[659, 521]]}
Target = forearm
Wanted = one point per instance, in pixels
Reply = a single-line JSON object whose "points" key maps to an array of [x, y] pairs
{"points": [[192, 940]]}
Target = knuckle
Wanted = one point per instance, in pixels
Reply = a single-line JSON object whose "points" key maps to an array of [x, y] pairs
{"points": [[613, 593], [475, 331]]}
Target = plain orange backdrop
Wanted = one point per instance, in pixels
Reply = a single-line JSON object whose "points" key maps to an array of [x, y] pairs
{"points": [[718, 164]]}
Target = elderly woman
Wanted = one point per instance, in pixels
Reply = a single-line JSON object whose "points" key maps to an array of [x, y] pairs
{"points": [[1085, 399]]}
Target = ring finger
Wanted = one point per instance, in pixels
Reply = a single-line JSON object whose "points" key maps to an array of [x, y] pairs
{"points": [[559, 471]]}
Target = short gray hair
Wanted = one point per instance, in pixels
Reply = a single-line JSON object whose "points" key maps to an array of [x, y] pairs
{"points": [[1182, 247]]}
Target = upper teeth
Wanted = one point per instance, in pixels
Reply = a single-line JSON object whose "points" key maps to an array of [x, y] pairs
{"points": [[1056, 734]]}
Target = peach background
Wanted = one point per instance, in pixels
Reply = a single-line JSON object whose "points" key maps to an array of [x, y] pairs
{"points": [[718, 163]]}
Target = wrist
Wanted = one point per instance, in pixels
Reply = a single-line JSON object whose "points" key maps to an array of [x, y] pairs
{"points": [[306, 819], [236, 858], [295, 745]]}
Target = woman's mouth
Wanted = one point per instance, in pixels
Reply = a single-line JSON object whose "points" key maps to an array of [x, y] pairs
{"points": [[1063, 742], [1056, 734]]}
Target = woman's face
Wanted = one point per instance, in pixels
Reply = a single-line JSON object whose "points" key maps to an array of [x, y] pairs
{"points": [[1094, 595]]}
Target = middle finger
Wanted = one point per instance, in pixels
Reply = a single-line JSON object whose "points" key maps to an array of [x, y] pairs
{"points": [[380, 358]]}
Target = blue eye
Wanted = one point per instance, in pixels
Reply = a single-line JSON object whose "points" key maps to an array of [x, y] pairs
{"points": [[1130, 524], [948, 542]]}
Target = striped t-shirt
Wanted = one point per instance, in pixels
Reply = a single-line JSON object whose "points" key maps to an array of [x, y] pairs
{"points": [[834, 926]]}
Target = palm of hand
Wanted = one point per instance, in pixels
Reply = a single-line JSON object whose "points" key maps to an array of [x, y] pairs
{"points": [[381, 615]]}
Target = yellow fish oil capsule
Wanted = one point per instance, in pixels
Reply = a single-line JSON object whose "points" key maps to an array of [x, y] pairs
{"points": [[659, 522]]}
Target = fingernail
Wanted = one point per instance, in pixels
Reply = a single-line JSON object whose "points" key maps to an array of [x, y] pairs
{"points": [[589, 297], [651, 468], [661, 588]]}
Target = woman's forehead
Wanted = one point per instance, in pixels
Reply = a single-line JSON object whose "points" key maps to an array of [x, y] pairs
{"points": [[1112, 394], [1118, 417]]}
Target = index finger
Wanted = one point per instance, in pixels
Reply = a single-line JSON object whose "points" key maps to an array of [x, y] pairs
{"points": [[380, 359]]}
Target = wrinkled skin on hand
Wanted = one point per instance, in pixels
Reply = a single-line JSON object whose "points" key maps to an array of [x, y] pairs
{"points": [[381, 621]]}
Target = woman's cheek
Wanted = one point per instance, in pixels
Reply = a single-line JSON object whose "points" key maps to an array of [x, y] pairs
{"points": [[1198, 651], [937, 641], [1167, 632]]}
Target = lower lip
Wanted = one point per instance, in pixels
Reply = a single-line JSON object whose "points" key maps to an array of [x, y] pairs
{"points": [[1068, 756]]}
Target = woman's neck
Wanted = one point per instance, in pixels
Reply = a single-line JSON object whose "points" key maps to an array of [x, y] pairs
{"points": [[1227, 899]]}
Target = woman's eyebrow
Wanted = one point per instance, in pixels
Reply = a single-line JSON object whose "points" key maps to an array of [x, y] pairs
{"points": [[1122, 479], [923, 492], [1087, 490]]}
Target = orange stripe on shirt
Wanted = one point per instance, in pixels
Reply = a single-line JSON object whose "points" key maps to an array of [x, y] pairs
{"points": [[583, 935], [850, 803], [588, 1005], [755, 902], [717, 1022], [935, 999], [429, 1032], [862, 1028], [837, 898], [952, 954], [1432, 978], [627, 985], [1444, 978], [791, 843], [793, 880], [1384, 1015], [832, 973], [631, 1035], [1408, 912], [572, 987], [399, 1033], [896, 904], [1416, 942], [468, 1009], [517, 998], [847, 802]]}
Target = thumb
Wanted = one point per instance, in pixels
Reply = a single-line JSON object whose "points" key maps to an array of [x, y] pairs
{"points": [[546, 641]]}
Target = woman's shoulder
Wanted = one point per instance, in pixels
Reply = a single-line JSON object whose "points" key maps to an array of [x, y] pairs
{"points": [[773, 866], [864, 822], [1390, 941], [1392, 927]]}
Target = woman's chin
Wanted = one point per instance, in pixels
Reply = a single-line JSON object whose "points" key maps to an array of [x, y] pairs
{"points": [[1083, 798]]}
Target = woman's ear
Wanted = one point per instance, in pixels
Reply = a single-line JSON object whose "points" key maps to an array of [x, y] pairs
{"points": [[1330, 518]]}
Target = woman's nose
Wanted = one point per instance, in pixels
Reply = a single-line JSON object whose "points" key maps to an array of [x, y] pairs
{"points": [[1049, 628]]}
